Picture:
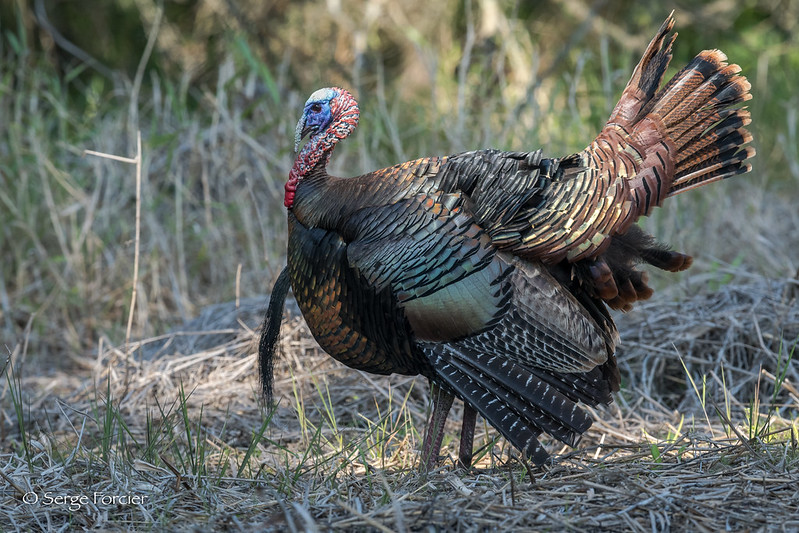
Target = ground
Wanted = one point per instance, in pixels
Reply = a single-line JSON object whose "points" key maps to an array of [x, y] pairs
{"points": [[170, 432]]}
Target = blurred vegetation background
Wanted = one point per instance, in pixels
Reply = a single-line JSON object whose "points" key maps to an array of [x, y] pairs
{"points": [[215, 86]]}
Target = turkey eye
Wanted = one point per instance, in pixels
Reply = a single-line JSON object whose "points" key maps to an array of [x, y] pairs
{"points": [[316, 108]]}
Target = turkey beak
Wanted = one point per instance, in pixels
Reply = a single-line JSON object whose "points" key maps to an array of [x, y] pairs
{"points": [[301, 132]]}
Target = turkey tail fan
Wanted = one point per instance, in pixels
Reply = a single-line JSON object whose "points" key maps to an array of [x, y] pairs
{"points": [[689, 133], [271, 332], [520, 402], [657, 142], [663, 142]]}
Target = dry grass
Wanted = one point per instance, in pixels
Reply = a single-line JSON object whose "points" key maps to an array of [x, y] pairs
{"points": [[175, 424]]}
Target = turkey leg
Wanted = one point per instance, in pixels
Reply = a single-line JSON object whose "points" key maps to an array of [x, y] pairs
{"points": [[434, 433], [467, 436]]}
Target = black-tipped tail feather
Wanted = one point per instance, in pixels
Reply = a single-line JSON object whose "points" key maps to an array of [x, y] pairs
{"points": [[708, 133]]}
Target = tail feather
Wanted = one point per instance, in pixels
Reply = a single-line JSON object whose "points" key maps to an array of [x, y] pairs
{"points": [[707, 135], [706, 104], [646, 77], [716, 168], [727, 133], [691, 87], [688, 133], [656, 143]]}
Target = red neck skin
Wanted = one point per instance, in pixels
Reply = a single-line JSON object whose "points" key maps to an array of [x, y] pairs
{"points": [[307, 159], [345, 118]]}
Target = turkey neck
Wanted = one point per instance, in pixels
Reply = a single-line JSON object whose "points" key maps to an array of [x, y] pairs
{"points": [[317, 203]]}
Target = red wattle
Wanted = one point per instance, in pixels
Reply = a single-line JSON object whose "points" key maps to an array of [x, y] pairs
{"points": [[291, 188]]}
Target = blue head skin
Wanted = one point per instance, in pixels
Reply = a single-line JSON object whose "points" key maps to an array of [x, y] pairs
{"points": [[316, 115]]}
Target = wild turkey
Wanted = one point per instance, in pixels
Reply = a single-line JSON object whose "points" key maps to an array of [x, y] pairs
{"points": [[490, 272]]}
